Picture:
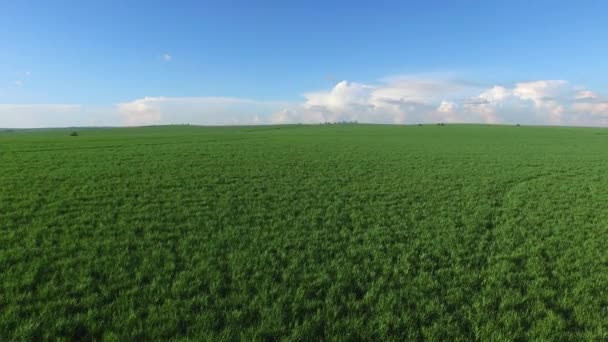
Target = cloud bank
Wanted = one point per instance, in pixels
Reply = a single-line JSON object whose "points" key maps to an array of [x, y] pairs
{"points": [[196, 110], [55, 115], [396, 100], [547, 102]]}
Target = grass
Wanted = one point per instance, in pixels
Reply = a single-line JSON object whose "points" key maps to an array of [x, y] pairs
{"points": [[353, 232]]}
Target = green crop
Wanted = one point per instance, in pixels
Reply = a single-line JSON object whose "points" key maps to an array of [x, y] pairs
{"points": [[329, 232]]}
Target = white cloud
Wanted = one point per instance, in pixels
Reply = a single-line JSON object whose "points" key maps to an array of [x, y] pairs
{"points": [[541, 90], [196, 110], [495, 94], [140, 112], [54, 115], [395, 100], [403, 100], [421, 89], [587, 102], [412, 100], [547, 95], [342, 96], [446, 107], [585, 95], [166, 57]]}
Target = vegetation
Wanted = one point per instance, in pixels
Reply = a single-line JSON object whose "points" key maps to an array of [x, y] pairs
{"points": [[305, 232]]}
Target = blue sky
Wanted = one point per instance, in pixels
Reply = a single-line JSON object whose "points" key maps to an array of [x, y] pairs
{"points": [[256, 61]]}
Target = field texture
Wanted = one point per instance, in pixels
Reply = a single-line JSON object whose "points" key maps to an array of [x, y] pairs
{"points": [[348, 232]]}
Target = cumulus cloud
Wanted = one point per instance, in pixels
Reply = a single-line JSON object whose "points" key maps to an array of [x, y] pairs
{"points": [[396, 100], [446, 107], [585, 95], [541, 90], [494, 95], [400, 100], [413, 100], [343, 96], [140, 112], [548, 97], [590, 103]]}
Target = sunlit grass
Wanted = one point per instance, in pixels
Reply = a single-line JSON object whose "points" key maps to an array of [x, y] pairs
{"points": [[305, 232]]}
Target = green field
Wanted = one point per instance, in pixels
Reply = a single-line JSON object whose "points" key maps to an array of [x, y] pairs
{"points": [[348, 232]]}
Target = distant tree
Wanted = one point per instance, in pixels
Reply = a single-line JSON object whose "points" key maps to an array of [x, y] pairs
{"points": [[74, 134]]}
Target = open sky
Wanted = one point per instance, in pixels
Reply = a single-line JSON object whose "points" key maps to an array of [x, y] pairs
{"points": [[113, 63]]}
